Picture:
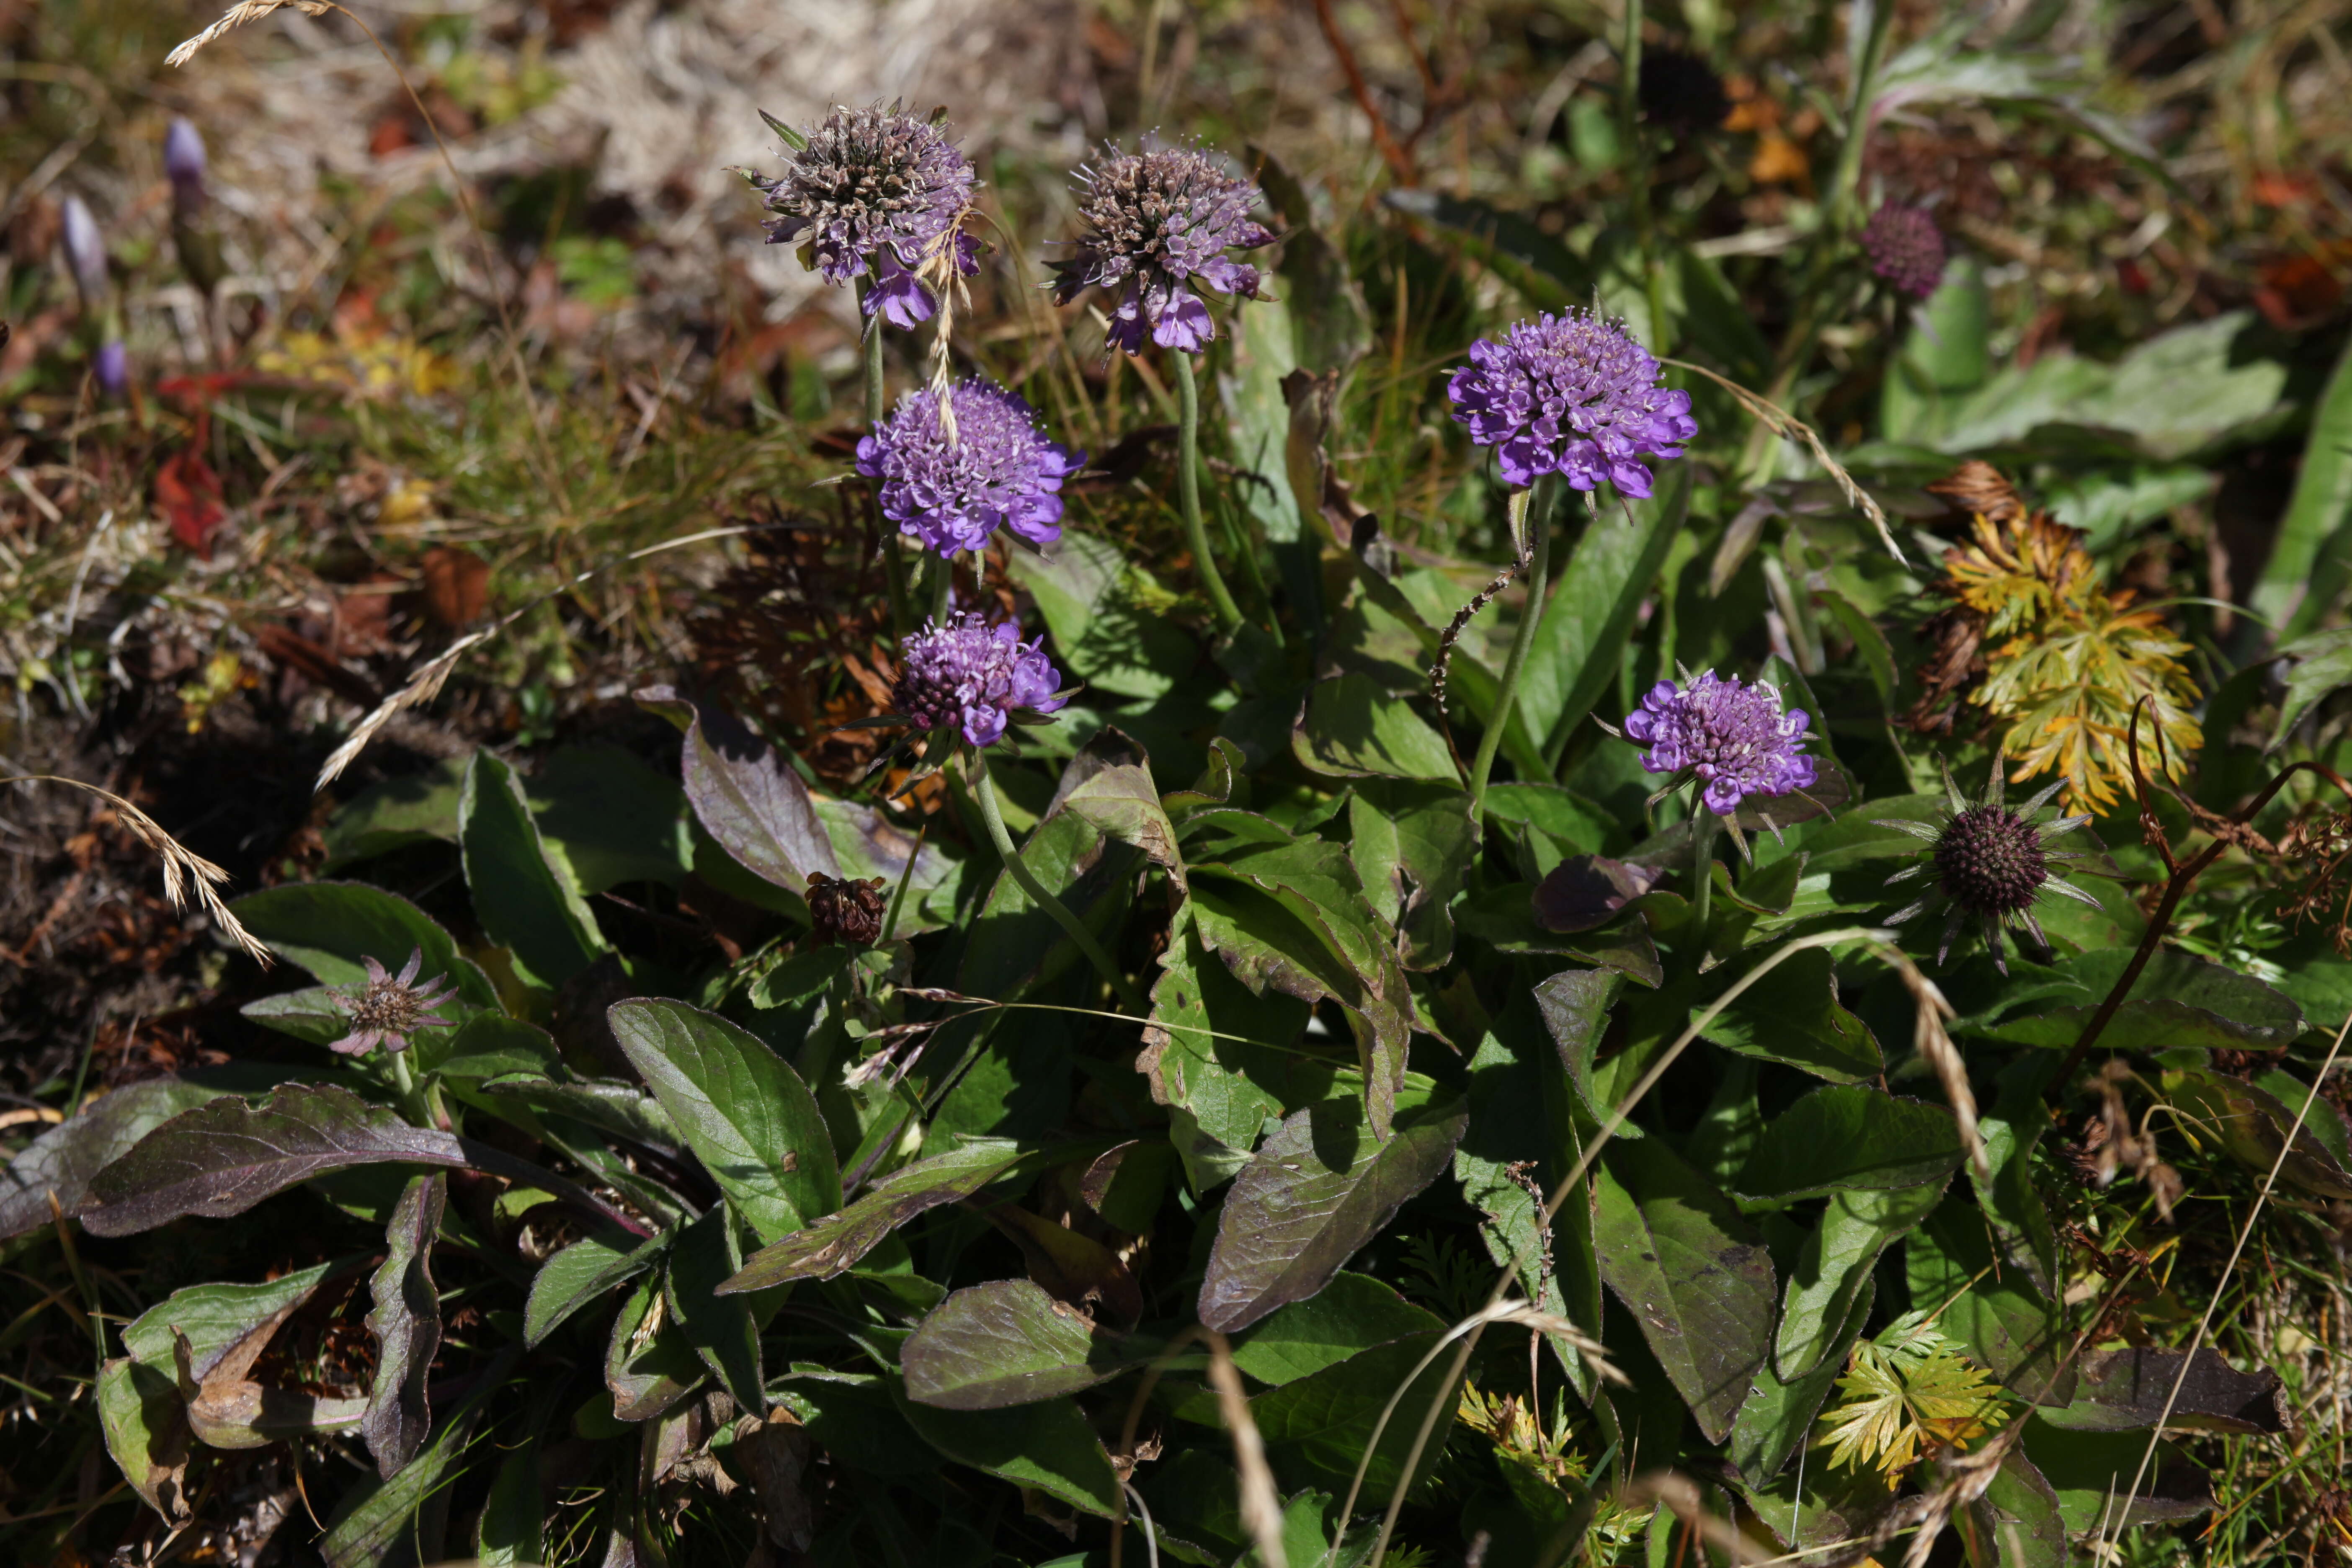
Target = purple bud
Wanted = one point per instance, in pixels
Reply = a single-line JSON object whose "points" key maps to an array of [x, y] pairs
{"points": [[86, 253], [183, 163], [112, 368]]}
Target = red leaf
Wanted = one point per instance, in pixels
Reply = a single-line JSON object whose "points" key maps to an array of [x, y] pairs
{"points": [[188, 494]]}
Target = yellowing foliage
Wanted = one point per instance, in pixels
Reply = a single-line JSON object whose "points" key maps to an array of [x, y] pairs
{"points": [[370, 364], [1905, 1394]]}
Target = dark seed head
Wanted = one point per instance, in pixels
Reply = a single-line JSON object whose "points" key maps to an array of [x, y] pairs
{"points": [[845, 910], [1990, 862], [1681, 92]]}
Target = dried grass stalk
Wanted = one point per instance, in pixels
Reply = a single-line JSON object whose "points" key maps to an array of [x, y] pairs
{"points": [[237, 16], [1680, 1495], [184, 869], [1261, 1503], [1933, 1043], [1780, 422]]}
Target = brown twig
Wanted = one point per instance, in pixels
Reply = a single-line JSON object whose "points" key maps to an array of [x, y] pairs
{"points": [[1400, 161]]}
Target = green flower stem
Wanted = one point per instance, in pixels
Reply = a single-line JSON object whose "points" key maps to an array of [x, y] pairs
{"points": [[894, 558], [1703, 828], [983, 794], [1532, 523], [413, 1101], [1638, 166], [1188, 492], [942, 570]]}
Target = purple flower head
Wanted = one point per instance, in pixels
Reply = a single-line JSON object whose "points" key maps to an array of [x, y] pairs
{"points": [[84, 253], [880, 191], [385, 1009], [112, 368], [973, 675], [1737, 738], [184, 165], [1572, 395], [1906, 249], [953, 490], [1155, 224]]}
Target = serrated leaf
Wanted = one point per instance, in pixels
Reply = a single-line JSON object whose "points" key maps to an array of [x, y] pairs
{"points": [[1321, 1188], [1352, 1313], [1792, 1017], [1849, 1136], [744, 1112], [1776, 1417], [1412, 848], [1833, 1266], [1351, 727]]}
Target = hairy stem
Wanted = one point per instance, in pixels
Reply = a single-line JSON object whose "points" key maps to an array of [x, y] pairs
{"points": [[983, 795], [1703, 824], [894, 558], [1531, 535], [1188, 492]]}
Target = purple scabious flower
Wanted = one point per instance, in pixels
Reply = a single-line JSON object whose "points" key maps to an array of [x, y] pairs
{"points": [[1574, 395], [183, 165], [973, 675], [1153, 224], [1906, 249], [950, 488], [1737, 738], [878, 190]]}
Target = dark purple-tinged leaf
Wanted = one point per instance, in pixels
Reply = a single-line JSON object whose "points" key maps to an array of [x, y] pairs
{"points": [[213, 1318], [63, 1160], [744, 1111], [1505, 919], [2018, 1522], [1120, 802], [1833, 1265], [527, 902], [1575, 1007], [1847, 1136], [1049, 1446], [2091, 1472], [834, 1244], [1693, 1272], [2005, 1324], [1006, 1342], [1791, 1016], [377, 1517], [582, 1273], [2126, 1390], [1588, 891], [621, 1109], [648, 1363], [2251, 1124], [721, 1328], [228, 1408], [1353, 1313], [331, 927], [146, 1429], [1776, 1417], [748, 796], [406, 1324], [1413, 847], [1319, 1188]]}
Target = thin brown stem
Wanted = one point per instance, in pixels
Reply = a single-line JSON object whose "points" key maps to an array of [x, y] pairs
{"points": [[1400, 161]]}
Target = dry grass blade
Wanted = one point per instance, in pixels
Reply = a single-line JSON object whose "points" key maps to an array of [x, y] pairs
{"points": [[184, 869], [1933, 1043], [426, 681], [1680, 1496], [237, 16], [1784, 424], [1261, 1503]]}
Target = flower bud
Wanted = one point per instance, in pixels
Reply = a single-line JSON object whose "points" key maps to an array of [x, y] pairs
{"points": [[112, 368], [183, 164], [84, 253]]}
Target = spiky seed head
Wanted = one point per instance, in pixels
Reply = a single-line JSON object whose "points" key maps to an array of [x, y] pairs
{"points": [[387, 1008], [877, 190], [1906, 249], [1990, 861], [845, 910], [1154, 226]]}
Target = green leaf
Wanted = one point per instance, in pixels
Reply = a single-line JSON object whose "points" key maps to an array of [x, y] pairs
{"points": [[489, 1044], [1997, 1314], [373, 1521], [526, 900], [859, 1422], [1320, 1424], [63, 1160], [1575, 1007], [611, 819], [511, 1531], [1004, 1344], [2311, 554], [406, 1324], [621, 1109], [1791, 1016], [1352, 729], [1231, 1086], [649, 1364], [1048, 1445], [1550, 275], [329, 927], [398, 812], [831, 1245], [2022, 1516], [1694, 1274], [2011, 1203], [2177, 1000], [1413, 847], [1842, 1137], [1944, 351], [721, 1327], [1105, 632], [213, 1318], [1776, 1417], [1589, 616], [1832, 1270], [2091, 1474], [145, 1425], [745, 1113], [2251, 1123], [1321, 1188], [1353, 1313], [582, 1273], [2322, 667]]}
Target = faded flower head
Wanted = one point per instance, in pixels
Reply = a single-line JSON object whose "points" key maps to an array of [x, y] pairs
{"points": [[973, 676], [1990, 862], [84, 253], [1680, 91], [879, 190], [388, 1008], [845, 910], [1906, 249], [1154, 225], [183, 165], [1737, 739], [1572, 395], [951, 487]]}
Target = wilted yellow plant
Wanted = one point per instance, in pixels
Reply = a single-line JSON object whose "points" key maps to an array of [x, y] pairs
{"points": [[2074, 662], [1907, 1393]]}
